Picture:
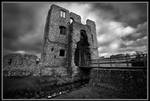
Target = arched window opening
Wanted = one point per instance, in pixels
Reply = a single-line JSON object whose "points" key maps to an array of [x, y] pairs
{"points": [[82, 52], [83, 38], [71, 20]]}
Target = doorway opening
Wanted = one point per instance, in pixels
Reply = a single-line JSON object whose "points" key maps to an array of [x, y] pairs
{"points": [[82, 56], [82, 52]]}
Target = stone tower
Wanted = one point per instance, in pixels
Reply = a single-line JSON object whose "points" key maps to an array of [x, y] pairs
{"points": [[68, 43]]}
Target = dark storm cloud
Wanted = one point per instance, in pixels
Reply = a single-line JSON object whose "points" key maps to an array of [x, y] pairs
{"points": [[17, 20], [124, 25], [129, 13], [22, 26], [133, 13]]}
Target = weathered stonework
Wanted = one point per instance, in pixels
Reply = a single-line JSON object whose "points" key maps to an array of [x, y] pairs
{"points": [[20, 65], [129, 83], [79, 42]]}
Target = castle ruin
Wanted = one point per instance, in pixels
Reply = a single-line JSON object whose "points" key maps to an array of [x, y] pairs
{"points": [[68, 44]]}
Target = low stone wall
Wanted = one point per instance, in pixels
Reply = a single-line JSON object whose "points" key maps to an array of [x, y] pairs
{"points": [[129, 83]]}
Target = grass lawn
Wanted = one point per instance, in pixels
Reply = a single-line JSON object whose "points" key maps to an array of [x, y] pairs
{"points": [[18, 83], [29, 86]]}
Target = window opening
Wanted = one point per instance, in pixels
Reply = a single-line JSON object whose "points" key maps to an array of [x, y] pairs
{"points": [[92, 38], [52, 49], [62, 52], [62, 30], [62, 14], [10, 61], [71, 20]]}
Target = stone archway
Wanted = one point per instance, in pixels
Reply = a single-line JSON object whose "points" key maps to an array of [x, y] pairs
{"points": [[82, 53]]}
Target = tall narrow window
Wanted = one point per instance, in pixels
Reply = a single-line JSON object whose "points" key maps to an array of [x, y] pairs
{"points": [[62, 14], [62, 30], [92, 38], [62, 52]]}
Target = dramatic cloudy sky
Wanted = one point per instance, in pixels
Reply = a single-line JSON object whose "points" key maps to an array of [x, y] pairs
{"points": [[121, 27]]}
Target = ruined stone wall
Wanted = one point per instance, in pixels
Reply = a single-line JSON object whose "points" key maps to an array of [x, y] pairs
{"points": [[54, 40], [20, 65], [76, 28], [93, 38], [91, 34], [52, 63], [130, 83], [52, 58]]}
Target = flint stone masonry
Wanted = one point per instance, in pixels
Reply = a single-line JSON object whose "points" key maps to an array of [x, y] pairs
{"points": [[20, 65], [54, 42]]}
